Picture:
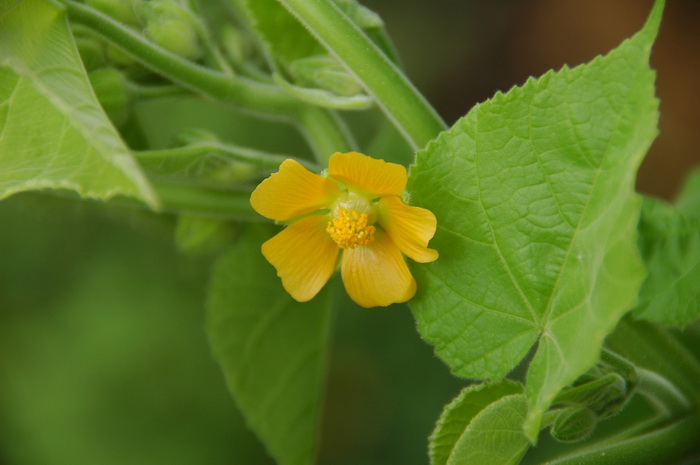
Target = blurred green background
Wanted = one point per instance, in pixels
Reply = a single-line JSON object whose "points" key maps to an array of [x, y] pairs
{"points": [[103, 355]]}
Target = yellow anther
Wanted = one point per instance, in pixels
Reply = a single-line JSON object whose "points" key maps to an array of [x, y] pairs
{"points": [[350, 229]]}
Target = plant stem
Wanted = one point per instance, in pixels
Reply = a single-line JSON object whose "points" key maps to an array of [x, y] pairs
{"points": [[255, 97], [203, 201], [662, 446], [323, 131], [400, 100], [661, 393], [156, 91], [263, 160], [652, 347]]}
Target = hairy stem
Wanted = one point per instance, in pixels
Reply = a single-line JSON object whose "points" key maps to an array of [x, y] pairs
{"points": [[400, 100], [652, 347], [662, 394], [324, 132], [263, 160], [249, 95], [665, 445]]}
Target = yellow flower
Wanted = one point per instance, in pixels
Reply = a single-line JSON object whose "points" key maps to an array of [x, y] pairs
{"points": [[357, 212]]}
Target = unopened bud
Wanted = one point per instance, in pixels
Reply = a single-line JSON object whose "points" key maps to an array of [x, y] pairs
{"points": [[172, 27], [574, 424], [112, 93]]}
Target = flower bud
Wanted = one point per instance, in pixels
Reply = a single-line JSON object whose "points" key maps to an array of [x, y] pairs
{"points": [[112, 93], [612, 394], [235, 44], [574, 424], [91, 52], [172, 27]]}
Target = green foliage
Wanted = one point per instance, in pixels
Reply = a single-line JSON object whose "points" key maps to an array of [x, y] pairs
{"points": [[285, 38], [574, 424], [689, 200], [480, 427], [271, 349], [670, 244], [549, 260], [204, 236], [53, 133], [171, 26], [103, 358], [537, 215], [454, 426]]}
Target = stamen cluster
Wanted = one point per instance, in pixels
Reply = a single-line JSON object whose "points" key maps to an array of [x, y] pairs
{"points": [[350, 229]]}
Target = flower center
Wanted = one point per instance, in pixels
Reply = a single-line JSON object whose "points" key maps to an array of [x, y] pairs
{"points": [[349, 229]]}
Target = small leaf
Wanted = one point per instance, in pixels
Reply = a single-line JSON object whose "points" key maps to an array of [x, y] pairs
{"points": [[288, 40], [537, 221], [670, 245], [270, 348], [494, 436], [285, 37], [53, 133], [460, 412]]}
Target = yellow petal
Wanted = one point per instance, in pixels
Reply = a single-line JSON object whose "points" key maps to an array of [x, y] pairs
{"points": [[304, 256], [410, 228], [292, 192], [374, 176], [376, 274]]}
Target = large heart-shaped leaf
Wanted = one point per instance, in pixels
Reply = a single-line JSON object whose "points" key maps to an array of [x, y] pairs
{"points": [[537, 221]]}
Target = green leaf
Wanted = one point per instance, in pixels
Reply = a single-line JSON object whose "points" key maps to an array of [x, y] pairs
{"points": [[494, 435], [689, 200], [270, 348], [537, 221], [288, 40], [282, 33], [195, 235], [458, 415], [670, 245], [53, 133]]}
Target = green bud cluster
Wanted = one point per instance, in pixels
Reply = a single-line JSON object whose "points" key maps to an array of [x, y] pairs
{"points": [[600, 393], [171, 26], [574, 424]]}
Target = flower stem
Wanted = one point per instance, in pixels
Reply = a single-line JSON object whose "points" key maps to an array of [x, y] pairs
{"points": [[203, 201], [400, 100], [661, 393], [255, 97], [324, 132], [665, 445], [652, 347]]}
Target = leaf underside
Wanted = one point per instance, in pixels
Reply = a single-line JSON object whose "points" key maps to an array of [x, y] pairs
{"points": [[42, 80]]}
